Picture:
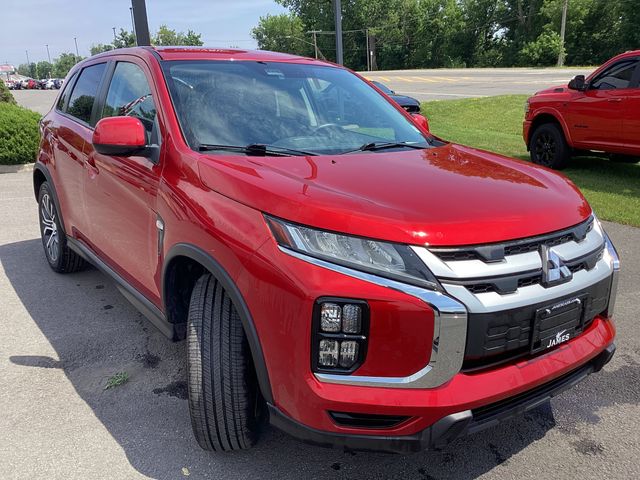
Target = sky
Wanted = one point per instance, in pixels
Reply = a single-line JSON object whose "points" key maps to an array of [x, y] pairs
{"points": [[29, 25]]}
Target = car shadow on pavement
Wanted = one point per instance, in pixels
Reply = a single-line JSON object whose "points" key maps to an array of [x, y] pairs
{"points": [[97, 333]]}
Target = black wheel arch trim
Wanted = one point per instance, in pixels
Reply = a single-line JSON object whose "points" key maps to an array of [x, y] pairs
{"points": [[39, 167], [213, 266]]}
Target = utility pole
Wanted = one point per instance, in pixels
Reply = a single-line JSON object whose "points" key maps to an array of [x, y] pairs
{"points": [[337, 11], [28, 62], [114, 33], [315, 40], [140, 22], [366, 34], [48, 56], [133, 27], [563, 26], [75, 40]]}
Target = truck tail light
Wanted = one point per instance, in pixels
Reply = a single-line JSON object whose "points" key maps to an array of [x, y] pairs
{"points": [[340, 334]]}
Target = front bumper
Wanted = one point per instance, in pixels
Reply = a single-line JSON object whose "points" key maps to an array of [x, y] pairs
{"points": [[449, 427]]}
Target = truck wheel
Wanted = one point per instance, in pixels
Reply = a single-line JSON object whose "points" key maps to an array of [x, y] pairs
{"points": [[223, 388], [548, 147], [59, 256], [624, 158]]}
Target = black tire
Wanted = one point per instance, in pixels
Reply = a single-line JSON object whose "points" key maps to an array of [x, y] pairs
{"points": [[60, 257], [548, 147], [224, 398], [623, 158]]}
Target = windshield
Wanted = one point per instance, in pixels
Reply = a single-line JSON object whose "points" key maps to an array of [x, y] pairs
{"points": [[308, 108]]}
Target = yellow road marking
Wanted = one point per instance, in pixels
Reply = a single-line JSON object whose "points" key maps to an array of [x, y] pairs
{"points": [[404, 79], [425, 79]]}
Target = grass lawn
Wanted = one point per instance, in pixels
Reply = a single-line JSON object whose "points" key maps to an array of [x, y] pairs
{"points": [[495, 124]]}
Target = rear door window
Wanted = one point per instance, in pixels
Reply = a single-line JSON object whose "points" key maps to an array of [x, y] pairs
{"points": [[84, 92], [62, 101]]}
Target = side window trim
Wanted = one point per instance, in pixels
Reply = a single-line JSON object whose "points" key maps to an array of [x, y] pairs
{"points": [[101, 95], [69, 86], [634, 75], [635, 78]]}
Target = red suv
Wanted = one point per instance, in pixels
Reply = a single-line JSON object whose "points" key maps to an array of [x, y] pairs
{"points": [[598, 114], [332, 266]]}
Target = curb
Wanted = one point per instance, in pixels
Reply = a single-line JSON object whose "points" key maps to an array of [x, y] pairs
{"points": [[16, 168]]}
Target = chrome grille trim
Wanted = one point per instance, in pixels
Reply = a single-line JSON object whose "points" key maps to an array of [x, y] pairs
{"points": [[477, 275], [493, 301]]}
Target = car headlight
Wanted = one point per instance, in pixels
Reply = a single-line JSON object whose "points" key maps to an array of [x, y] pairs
{"points": [[390, 260]]}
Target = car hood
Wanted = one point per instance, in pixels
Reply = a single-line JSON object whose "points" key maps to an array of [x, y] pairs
{"points": [[404, 100], [556, 89], [449, 195]]}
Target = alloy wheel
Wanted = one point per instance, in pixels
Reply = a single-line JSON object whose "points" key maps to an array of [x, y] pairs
{"points": [[49, 228], [545, 149]]}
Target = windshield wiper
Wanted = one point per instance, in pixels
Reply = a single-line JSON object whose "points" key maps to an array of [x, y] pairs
{"points": [[257, 149], [373, 146]]}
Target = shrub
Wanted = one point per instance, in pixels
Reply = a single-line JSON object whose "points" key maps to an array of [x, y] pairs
{"points": [[19, 134], [543, 51], [5, 94]]}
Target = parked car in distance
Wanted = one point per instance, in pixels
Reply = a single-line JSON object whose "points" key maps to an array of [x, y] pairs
{"points": [[51, 84], [29, 84], [332, 266], [13, 84], [598, 114], [410, 104]]}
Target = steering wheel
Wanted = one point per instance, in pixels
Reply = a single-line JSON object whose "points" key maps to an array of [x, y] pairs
{"points": [[325, 126]]}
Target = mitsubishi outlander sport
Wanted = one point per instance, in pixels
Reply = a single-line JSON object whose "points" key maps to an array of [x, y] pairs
{"points": [[333, 267]]}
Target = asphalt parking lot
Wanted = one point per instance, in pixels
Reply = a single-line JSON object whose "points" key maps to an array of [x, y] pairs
{"points": [[65, 335], [443, 84]]}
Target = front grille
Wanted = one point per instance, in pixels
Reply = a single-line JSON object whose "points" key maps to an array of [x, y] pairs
{"points": [[510, 283], [498, 251], [503, 287], [498, 337]]}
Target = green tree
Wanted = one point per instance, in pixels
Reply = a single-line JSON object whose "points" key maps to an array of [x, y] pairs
{"points": [[64, 63], [168, 36], [192, 38], [124, 39], [281, 33], [44, 69], [543, 51], [165, 36], [97, 48], [27, 69]]}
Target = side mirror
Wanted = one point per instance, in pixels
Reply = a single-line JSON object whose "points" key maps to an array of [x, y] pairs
{"points": [[577, 83], [120, 136], [421, 121]]}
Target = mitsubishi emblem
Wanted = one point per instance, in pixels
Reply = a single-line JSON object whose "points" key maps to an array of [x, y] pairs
{"points": [[554, 270]]}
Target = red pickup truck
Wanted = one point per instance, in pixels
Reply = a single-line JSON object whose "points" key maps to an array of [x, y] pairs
{"points": [[598, 114], [333, 266]]}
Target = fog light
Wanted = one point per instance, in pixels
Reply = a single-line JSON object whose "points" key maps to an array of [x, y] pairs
{"points": [[328, 353], [351, 315], [348, 353], [330, 317]]}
